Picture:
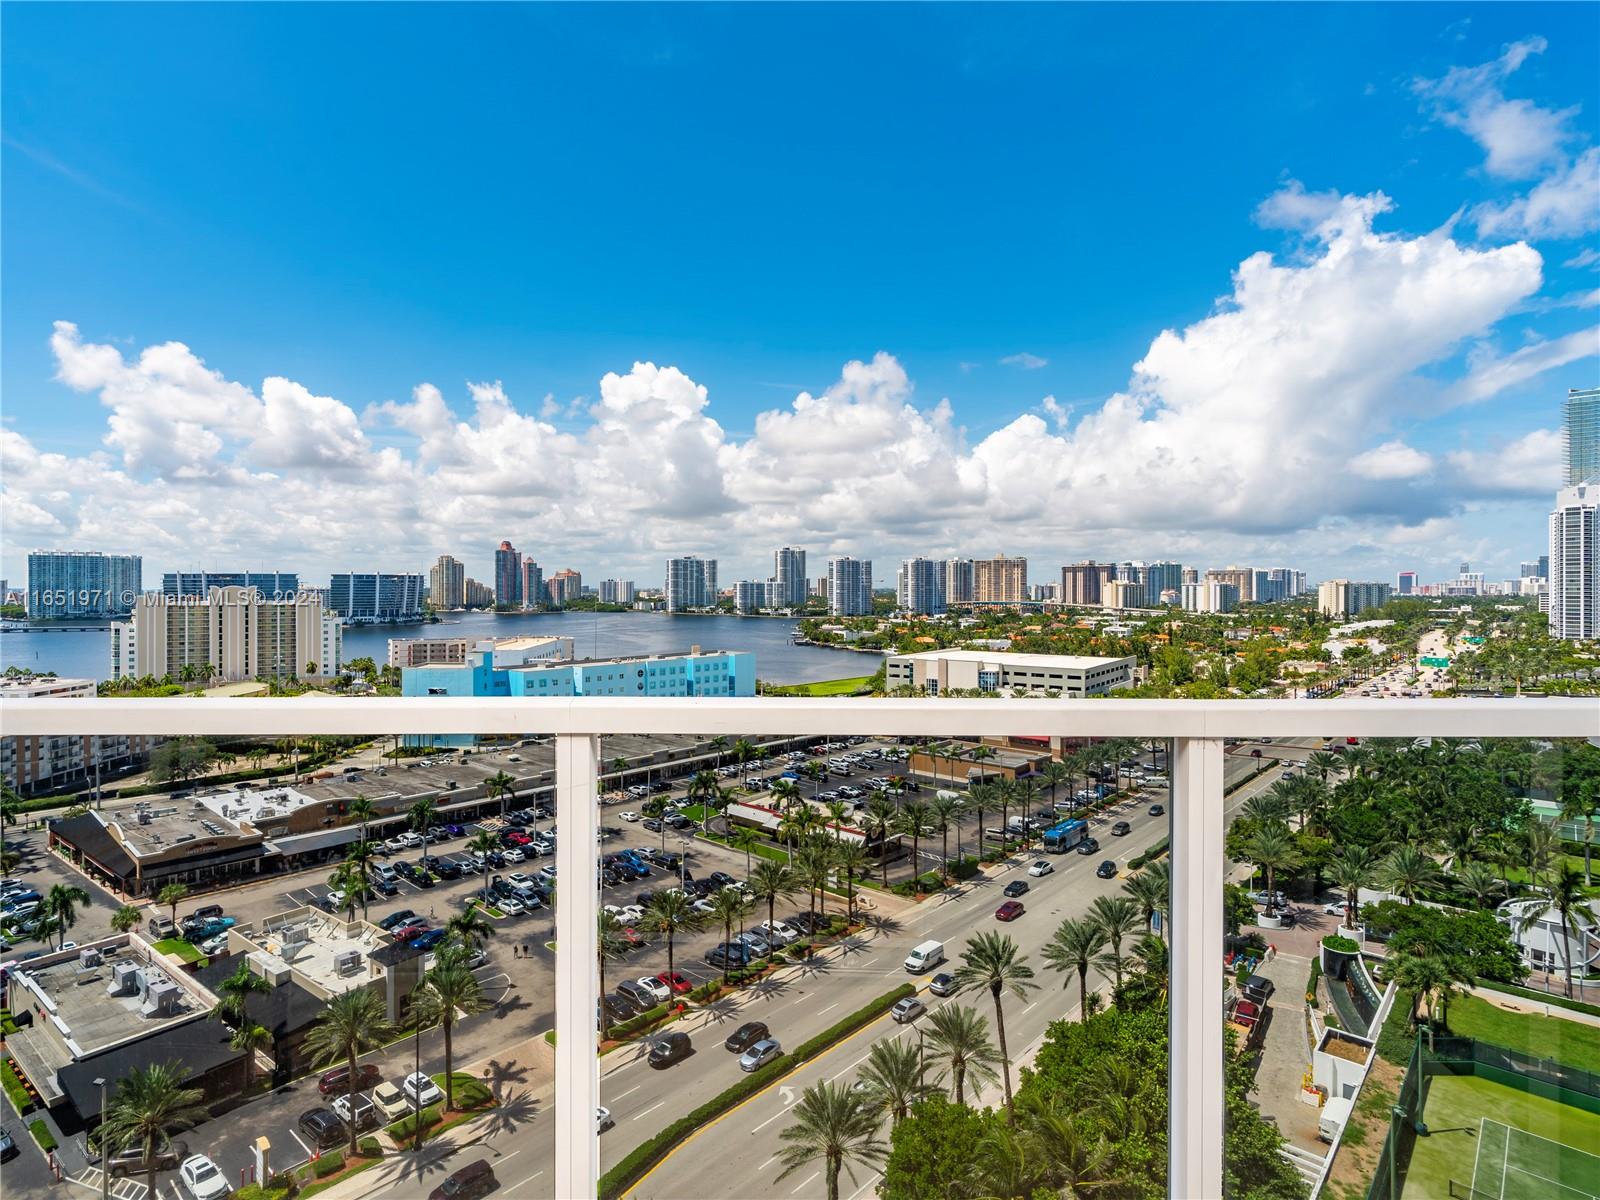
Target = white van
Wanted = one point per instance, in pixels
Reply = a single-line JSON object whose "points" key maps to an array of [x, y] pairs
{"points": [[925, 957]]}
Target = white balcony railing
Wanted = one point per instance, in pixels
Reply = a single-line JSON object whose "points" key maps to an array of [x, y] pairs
{"points": [[1196, 729]]}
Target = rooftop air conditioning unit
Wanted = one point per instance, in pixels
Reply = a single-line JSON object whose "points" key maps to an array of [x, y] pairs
{"points": [[347, 962], [162, 1000], [88, 958], [124, 979], [144, 817]]}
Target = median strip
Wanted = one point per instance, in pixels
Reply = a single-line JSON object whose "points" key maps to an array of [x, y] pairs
{"points": [[644, 1158]]}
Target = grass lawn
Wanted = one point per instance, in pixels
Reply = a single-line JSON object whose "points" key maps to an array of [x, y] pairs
{"points": [[761, 849], [1569, 1042], [1519, 875], [184, 950], [1454, 1111], [826, 687]]}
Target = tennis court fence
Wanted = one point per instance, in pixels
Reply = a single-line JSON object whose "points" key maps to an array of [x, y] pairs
{"points": [[1452, 1055]]}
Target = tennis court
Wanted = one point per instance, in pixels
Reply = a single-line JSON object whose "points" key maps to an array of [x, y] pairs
{"points": [[1513, 1164]]}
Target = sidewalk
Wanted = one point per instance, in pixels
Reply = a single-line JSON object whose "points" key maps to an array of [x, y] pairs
{"points": [[1526, 1004]]}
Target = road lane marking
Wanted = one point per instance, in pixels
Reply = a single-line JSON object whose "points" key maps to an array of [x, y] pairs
{"points": [[649, 1110], [858, 1062], [627, 1093], [865, 1186], [830, 1008], [513, 1188], [814, 1174]]}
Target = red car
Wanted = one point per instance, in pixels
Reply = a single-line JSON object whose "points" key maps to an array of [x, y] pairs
{"points": [[512, 838], [631, 936], [676, 982], [1009, 911], [337, 1081], [413, 929]]}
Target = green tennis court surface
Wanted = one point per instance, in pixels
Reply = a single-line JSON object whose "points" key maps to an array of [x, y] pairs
{"points": [[1513, 1164]]}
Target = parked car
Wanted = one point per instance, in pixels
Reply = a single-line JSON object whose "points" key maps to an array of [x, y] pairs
{"points": [[1106, 870], [321, 1129], [8, 1146], [469, 1183], [675, 981], [397, 918], [1009, 911], [391, 1102], [640, 996], [943, 984], [132, 1161], [759, 1055], [202, 1178], [420, 1089], [356, 1110], [1040, 866], [668, 1048], [907, 1010], [778, 932], [747, 1035], [729, 954], [1015, 888], [337, 1081]]}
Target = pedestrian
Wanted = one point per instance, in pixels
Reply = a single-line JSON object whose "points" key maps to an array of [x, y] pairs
{"points": [[430, 910]]}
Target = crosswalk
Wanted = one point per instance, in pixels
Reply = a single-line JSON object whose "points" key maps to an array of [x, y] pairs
{"points": [[120, 1189]]}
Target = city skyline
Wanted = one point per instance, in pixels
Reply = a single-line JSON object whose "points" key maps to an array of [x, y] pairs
{"points": [[1426, 266]]}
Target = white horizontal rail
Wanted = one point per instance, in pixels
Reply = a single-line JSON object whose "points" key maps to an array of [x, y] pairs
{"points": [[1472, 718]]}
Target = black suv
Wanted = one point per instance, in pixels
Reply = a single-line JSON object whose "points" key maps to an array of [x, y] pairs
{"points": [[747, 1035], [321, 1128]]}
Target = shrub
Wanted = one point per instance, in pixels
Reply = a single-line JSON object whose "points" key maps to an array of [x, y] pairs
{"points": [[329, 1164], [1341, 945], [369, 1147], [470, 1092], [406, 1128], [632, 1025], [1311, 983], [279, 1187], [42, 1135], [11, 1083], [628, 1172]]}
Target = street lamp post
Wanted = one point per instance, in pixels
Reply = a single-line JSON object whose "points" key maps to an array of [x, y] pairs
{"points": [[105, 1174]]}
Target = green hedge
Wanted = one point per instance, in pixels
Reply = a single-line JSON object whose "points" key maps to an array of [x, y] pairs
{"points": [[404, 1129], [1341, 945], [470, 1093], [15, 1092], [629, 1171], [328, 1164], [1528, 993], [42, 1135], [279, 1187], [1311, 983], [632, 1025], [1149, 855], [370, 1147]]}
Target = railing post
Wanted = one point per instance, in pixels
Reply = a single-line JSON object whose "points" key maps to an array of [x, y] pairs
{"points": [[577, 972], [1194, 1141]]}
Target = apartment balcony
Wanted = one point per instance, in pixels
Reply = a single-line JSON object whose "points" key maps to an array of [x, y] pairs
{"points": [[1210, 762]]}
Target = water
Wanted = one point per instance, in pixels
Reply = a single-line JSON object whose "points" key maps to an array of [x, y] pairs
{"points": [[84, 651]]}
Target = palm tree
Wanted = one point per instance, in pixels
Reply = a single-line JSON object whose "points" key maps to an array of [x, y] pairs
{"points": [[450, 990], [728, 906], [423, 814], [991, 961], [785, 794], [1149, 889], [358, 857], [1073, 1160], [363, 810], [771, 881], [1578, 803], [1352, 869], [850, 859], [236, 990], [915, 821], [1407, 870], [173, 895], [352, 881], [718, 744], [1116, 917], [1003, 1164], [746, 839], [1266, 808], [1566, 898], [1075, 946], [833, 1124], [942, 813], [1478, 880], [125, 918], [485, 843], [61, 903], [149, 1105], [960, 1036], [502, 787], [670, 913], [1054, 774], [878, 823], [1322, 764], [1272, 848], [896, 1078], [610, 945], [469, 928], [250, 1038], [813, 864], [352, 1023]]}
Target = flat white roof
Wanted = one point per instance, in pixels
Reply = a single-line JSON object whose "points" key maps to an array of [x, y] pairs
{"points": [[1061, 662]]}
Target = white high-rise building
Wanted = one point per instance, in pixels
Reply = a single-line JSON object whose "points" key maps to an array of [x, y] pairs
{"points": [[957, 581], [616, 591], [752, 595], [920, 586], [849, 586], [691, 583], [234, 634], [1210, 595], [1575, 563], [788, 578]]}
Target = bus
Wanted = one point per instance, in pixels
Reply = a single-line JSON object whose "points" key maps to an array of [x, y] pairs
{"points": [[1058, 839]]}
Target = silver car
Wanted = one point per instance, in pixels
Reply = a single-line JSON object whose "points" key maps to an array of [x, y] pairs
{"points": [[760, 1054]]}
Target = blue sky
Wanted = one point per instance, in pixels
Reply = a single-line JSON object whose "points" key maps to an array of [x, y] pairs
{"points": [[365, 199]]}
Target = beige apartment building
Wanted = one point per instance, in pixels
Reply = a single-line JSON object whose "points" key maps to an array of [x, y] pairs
{"points": [[36, 765], [1243, 578], [999, 580], [235, 631], [447, 583]]}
